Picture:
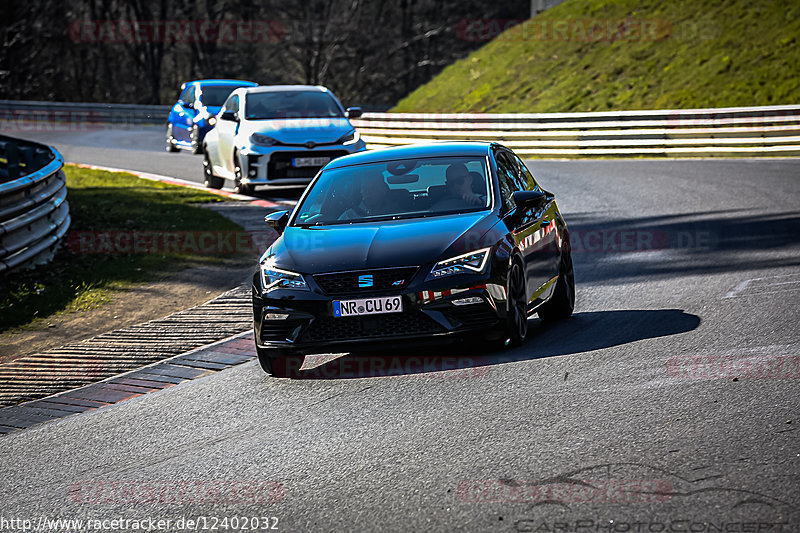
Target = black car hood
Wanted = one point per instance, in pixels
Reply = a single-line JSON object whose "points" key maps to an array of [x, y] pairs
{"points": [[383, 244]]}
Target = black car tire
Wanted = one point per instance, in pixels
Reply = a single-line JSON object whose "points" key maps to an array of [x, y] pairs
{"points": [[209, 179], [277, 362], [238, 186], [197, 148], [170, 140], [562, 302], [516, 322]]}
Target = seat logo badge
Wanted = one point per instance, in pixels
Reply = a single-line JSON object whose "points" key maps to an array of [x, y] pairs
{"points": [[398, 282], [365, 281]]}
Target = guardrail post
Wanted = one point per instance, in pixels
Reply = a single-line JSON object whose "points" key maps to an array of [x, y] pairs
{"points": [[26, 157], [12, 161]]}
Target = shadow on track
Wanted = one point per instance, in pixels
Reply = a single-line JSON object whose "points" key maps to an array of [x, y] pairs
{"points": [[627, 250], [583, 332]]}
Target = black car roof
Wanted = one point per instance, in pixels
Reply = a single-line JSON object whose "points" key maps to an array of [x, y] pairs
{"points": [[413, 151]]}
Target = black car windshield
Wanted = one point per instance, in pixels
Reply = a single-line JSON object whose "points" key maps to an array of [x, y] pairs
{"points": [[409, 188], [291, 104], [215, 95]]}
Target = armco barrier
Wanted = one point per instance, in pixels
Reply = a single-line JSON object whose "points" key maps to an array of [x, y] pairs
{"points": [[750, 131], [22, 115], [742, 131], [34, 214]]}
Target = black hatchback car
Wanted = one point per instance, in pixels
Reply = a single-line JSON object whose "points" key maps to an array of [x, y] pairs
{"points": [[420, 241]]}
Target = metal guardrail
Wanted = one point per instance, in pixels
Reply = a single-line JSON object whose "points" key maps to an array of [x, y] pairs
{"points": [[752, 131], [34, 213], [26, 115]]}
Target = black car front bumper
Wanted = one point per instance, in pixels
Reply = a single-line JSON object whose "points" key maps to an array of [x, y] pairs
{"points": [[304, 320]]}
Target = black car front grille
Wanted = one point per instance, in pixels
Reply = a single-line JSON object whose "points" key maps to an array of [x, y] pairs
{"points": [[383, 281], [473, 315], [278, 330], [280, 164], [326, 329]]}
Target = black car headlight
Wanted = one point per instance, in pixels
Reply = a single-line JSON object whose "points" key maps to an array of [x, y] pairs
{"points": [[470, 263], [262, 140], [275, 278], [350, 138]]}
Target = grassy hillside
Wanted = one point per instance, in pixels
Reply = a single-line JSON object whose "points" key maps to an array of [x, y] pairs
{"points": [[674, 54]]}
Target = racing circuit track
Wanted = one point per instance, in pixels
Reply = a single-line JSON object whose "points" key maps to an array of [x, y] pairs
{"points": [[670, 400]]}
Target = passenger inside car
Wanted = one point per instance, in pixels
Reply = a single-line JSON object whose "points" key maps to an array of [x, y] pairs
{"points": [[375, 199]]}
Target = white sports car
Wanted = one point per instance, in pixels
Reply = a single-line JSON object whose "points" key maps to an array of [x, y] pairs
{"points": [[277, 135]]}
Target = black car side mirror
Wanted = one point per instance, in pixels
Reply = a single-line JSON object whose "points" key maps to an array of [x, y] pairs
{"points": [[532, 199], [277, 220], [353, 112], [229, 115]]}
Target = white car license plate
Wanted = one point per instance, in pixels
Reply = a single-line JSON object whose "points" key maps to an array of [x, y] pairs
{"points": [[367, 306], [310, 161]]}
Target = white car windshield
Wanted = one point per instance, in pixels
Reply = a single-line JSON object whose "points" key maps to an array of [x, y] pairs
{"points": [[409, 188], [291, 104]]}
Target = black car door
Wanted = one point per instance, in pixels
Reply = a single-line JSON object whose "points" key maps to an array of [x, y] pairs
{"points": [[530, 228], [544, 220]]}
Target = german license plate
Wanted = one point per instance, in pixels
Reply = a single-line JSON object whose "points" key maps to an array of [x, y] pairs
{"points": [[310, 161], [367, 306]]}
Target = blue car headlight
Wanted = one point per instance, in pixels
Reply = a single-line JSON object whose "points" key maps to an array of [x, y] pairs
{"points": [[350, 138], [275, 278], [262, 140], [469, 263]]}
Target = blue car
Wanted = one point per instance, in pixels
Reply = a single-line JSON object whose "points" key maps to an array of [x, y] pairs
{"points": [[200, 100]]}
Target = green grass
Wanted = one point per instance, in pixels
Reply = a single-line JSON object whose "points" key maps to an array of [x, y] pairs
{"points": [[706, 53], [107, 201]]}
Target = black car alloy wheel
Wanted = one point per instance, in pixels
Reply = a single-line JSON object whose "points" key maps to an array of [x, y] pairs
{"points": [[517, 316], [562, 302], [279, 363]]}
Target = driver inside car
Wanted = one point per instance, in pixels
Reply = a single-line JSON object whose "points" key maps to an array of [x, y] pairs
{"points": [[458, 189]]}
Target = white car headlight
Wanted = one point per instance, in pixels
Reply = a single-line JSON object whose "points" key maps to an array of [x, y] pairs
{"points": [[470, 263], [275, 278], [350, 138], [262, 140]]}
